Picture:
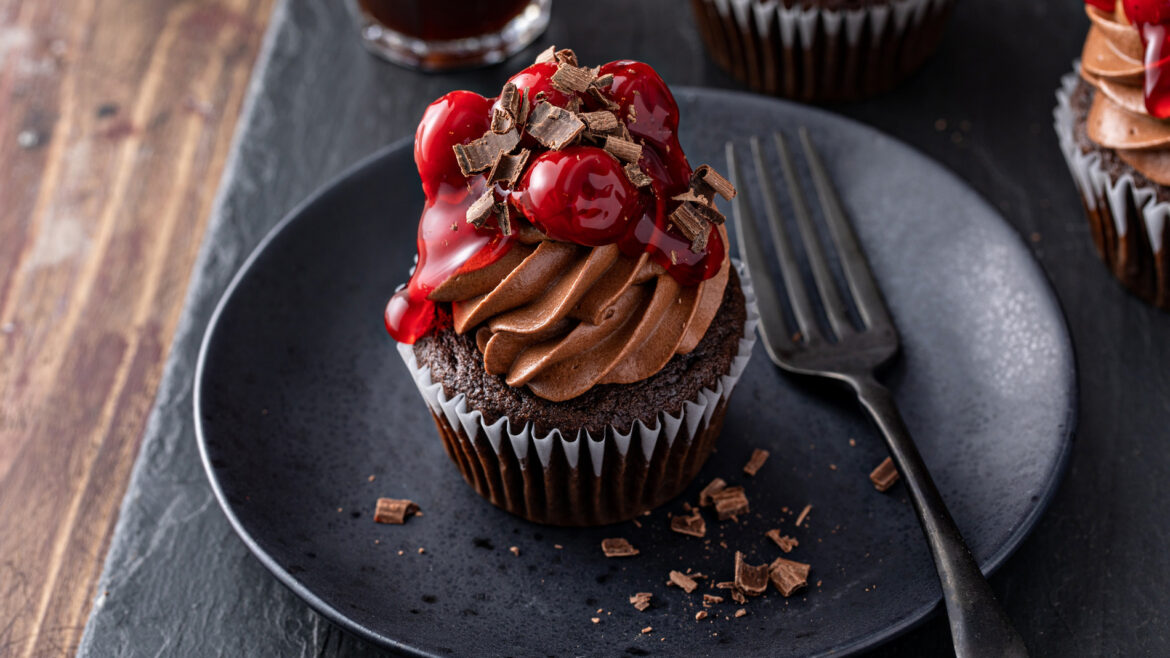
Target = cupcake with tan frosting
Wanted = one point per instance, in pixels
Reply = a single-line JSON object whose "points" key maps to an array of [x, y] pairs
{"points": [[1113, 121], [574, 321]]}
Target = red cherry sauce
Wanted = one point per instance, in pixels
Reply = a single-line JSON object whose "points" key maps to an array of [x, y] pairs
{"points": [[446, 242], [1152, 19], [1103, 5], [579, 194]]}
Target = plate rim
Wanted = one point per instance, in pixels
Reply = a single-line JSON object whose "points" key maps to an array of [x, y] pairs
{"points": [[913, 619]]}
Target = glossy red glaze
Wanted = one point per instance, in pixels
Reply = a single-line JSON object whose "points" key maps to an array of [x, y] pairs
{"points": [[1103, 5], [1152, 20], [579, 194]]}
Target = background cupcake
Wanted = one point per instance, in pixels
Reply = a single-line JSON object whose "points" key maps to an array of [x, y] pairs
{"points": [[818, 50], [574, 322], [1116, 139]]}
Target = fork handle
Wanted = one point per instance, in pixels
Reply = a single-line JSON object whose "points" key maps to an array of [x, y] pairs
{"points": [[979, 625]]}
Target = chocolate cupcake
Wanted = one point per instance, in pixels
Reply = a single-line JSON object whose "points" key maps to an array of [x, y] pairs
{"points": [[821, 50], [1112, 121], [573, 322]]}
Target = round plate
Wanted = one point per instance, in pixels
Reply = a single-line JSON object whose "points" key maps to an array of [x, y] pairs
{"points": [[306, 415]]}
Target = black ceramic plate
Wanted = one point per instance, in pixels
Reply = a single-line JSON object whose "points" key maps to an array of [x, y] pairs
{"points": [[301, 398]]}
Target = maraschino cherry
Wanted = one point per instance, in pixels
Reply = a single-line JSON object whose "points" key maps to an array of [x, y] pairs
{"points": [[1152, 20]]}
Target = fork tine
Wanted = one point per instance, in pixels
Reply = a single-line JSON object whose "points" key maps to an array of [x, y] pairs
{"points": [[866, 294], [802, 308], [773, 327], [834, 308]]}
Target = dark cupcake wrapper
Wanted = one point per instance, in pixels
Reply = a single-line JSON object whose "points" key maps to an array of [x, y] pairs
{"points": [[815, 54], [1127, 222], [585, 479]]}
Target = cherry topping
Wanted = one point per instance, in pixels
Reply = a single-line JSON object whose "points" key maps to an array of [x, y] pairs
{"points": [[579, 194], [655, 114], [1152, 19], [537, 79], [1103, 5], [457, 118]]}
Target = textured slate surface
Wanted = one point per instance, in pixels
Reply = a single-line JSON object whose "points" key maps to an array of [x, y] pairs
{"points": [[1090, 581]]}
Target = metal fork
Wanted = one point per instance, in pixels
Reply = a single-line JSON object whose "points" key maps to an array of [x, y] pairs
{"points": [[979, 626]]}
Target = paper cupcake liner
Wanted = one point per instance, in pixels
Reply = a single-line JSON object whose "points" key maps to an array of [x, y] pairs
{"points": [[815, 54], [586, 479], [1127, 222]]}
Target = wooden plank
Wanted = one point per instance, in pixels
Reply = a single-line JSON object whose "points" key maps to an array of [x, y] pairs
{"points": [[115, 121]]}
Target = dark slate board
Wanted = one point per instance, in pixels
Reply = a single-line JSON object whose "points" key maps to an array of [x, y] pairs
{"points": [[1092, 580]]}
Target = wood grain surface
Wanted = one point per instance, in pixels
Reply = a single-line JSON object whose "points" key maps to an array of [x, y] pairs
{"points": [[115, 120]]}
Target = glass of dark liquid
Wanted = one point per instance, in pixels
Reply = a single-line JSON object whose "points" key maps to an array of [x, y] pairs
{"points": [[440, 35]]}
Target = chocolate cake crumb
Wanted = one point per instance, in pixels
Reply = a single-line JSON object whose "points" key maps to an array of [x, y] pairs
{"points": [[641, 600], [788, 575], [885, 475], [706, 496], [785, 542], [730, 503], [617, 547], [394, 511], [692, 525], [682, 580], [750, 579], [758, 458], [803, 515]]}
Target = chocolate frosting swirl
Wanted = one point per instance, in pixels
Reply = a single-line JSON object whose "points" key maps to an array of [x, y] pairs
{"points": [[561, 318], [1112, 62]]}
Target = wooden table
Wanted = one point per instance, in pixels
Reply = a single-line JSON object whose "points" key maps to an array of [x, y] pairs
{"points": [[115, 121]]}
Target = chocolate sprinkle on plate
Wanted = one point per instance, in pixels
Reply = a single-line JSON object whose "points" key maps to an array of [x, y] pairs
{"points": [[757, 460], [711, 599], [785, 542], [700, 615], [750, 579], [803, 515], [885, 475], [394, 511], [617, 547], [730, 503], [682, 580], [641, 600], [692, 525], [707, 495], [788, 575]]}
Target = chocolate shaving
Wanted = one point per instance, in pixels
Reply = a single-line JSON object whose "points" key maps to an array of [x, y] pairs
{"points": [[510, 99], [710, 600], [502, 121], [391, 510], [483, 152], [566, 56], [641, 600], [508, 168], [700, 615], [624, 149], [601, 121], [707, 495], [503, 220], [730, 503], [885, 475], [573, 104], [691, 195], [803, 515], [693, 226], [785, 542], [547, 55], [692, 525], [617, 547], [482, 209], [738, 596], [757, 460], [750, 579], [682, 580], [704, 178], [709, 213], [572, 78], [787, 575], [636, 175], [554, 127], [522, 113], [603, 80], [602, 99]]}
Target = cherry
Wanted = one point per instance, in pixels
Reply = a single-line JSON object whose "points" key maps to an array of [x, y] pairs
{"points": [[655, 113], [538, 79], [1152, 18], [1103, 5], [457, 118], [1141, 11], [579, 194]]}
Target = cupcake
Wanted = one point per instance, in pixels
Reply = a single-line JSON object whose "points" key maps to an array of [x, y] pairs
{"points": [[1112, 121], [821, 50], [573, 321]]}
